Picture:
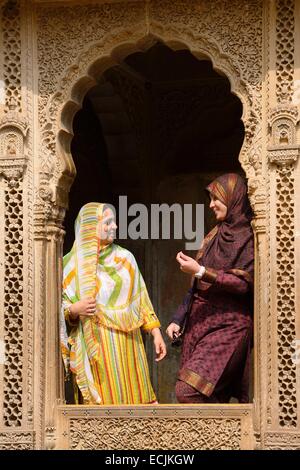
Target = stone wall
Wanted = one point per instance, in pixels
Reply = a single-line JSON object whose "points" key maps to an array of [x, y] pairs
{"points": [[52, 55]]}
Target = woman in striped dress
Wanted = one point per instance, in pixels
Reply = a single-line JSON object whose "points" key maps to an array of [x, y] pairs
{"points": [[105, 305]]}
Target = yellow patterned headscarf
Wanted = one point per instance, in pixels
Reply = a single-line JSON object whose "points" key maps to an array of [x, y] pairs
{"points": [[87, 247]]}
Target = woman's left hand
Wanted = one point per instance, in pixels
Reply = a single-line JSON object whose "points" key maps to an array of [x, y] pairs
{"points": [[187, 264], [159, 344]]}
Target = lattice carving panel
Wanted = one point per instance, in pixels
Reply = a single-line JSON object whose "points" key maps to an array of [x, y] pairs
{"points": [[285, 24], [286, 295], [12, 53], [13, 303], [148, 433]]}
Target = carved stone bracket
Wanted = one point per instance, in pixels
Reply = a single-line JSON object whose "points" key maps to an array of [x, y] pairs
{"points": [[50, 437], [284, 156], [13, 131], [282, 122], [48, 219]]}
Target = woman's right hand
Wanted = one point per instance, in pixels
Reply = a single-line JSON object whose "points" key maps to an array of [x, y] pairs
{"points": [[85, 307], [173, 330]]}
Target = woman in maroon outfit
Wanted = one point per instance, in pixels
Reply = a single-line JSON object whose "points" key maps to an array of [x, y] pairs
{"points": [[218, 333]]}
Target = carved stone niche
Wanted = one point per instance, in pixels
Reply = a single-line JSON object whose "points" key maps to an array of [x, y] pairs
{"points": [[283, 149], [282, 121], [13, 130]]}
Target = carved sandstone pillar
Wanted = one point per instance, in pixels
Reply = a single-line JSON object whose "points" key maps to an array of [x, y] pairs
{"points": [[283, 157], [282, 425], [48, 250], [52, 345], [16, 335], [13, 130]]}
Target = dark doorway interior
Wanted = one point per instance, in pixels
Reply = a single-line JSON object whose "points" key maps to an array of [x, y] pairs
{"points": [[158, 129]]}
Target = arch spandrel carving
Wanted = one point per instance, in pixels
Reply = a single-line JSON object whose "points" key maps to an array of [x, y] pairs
{"points": [[68, 68], [77, 79]]}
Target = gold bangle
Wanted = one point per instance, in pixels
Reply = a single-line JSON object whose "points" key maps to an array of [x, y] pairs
{"points": [[72, 321], [210, 275]]}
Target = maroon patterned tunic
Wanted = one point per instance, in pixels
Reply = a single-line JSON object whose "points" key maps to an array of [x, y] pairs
{"points": [[218, 335]]}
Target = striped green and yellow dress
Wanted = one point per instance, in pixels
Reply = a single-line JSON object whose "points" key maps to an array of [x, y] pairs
{"points": [[106, 352]]}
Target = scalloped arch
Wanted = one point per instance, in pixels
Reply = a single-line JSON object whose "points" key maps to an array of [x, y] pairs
{"points": [[98, 57]]}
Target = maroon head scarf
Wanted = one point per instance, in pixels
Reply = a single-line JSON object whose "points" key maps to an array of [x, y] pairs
{"points": [[230, 246]]}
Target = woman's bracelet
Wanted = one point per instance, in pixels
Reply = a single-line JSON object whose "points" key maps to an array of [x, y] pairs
{"points": [[70, 316], [200, 273]]}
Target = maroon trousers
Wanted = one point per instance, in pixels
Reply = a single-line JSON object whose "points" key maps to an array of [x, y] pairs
{"points": [[217, 344]]}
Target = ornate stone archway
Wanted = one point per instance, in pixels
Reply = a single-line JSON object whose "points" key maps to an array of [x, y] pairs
{"points": [[57, 167], [57, 171], [59, 51]]}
